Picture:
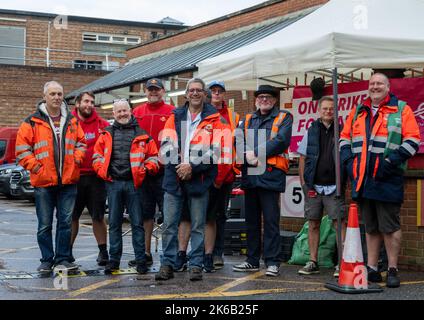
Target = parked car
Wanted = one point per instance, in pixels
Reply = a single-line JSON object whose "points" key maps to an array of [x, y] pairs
{"points": [[7, 144], [5, 174], [20, 185]]}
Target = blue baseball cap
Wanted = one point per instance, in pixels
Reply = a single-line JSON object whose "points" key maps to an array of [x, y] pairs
{"points": [[216, 83]]}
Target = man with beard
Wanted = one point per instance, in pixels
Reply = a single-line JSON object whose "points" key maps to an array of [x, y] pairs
{"points": [[91, 192], [266, 135]]}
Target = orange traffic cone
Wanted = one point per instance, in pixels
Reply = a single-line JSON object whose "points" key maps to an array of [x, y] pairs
{"points": [[353, 273]]}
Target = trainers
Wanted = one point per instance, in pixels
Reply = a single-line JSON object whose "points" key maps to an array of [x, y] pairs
{"points": [[245, 267], [374, 276], [336, 271], [65, 266], [310, 268], [196, 274], [392, 280], [181, 263], [165, 273], [218, 262], [208, 263], [45, 267], [149, 259], [102, 258], [273, 271], [111, 266], [141, 268], [132, 263]]}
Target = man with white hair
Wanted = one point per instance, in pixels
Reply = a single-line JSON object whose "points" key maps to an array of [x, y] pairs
{"points": [[123, 155], [51, 145]]}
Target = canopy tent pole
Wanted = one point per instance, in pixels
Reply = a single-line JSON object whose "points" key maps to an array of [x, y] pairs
{"points": [[337, 163]]}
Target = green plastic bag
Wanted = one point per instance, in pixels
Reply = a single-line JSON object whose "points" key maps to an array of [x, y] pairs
{"points": [[326, 249]]}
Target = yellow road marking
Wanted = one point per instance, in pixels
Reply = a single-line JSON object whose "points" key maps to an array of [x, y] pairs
{"points": [[93, 287], [274, 280], [221, 294], [237, 282]]}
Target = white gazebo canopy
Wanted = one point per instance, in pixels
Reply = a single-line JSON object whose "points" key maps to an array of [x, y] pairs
{"points": [[341, 34]]}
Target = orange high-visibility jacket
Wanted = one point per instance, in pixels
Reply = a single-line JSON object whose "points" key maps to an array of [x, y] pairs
{"points": [[143, 156], [226, 172], [206, 150], [365, 149], [36, 144]]}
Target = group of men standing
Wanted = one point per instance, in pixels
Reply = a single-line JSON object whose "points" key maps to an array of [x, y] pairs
{"points": [[185, 160]]}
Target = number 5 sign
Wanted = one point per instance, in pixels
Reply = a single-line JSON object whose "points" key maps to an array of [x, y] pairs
{"points": [[292, 201]]}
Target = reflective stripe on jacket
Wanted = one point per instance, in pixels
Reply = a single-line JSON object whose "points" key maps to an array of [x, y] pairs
{"points": [[205, 147], [280, 161], [36, 144], [275, 146], [227, 173], [143, 156], [394, 136]]}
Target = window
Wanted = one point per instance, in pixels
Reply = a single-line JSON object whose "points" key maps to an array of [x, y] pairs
{"points": [[153, 35], [88, 65], [12, 41], [110, 38], [2, 148], [103, 38]]}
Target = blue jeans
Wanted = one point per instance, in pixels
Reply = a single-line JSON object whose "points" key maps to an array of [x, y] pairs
{"points": [[46, 200], [122, 194], [172, 206]]}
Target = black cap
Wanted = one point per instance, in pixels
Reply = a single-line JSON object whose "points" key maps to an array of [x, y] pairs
{"points": [[157, 83], [266, 89]]}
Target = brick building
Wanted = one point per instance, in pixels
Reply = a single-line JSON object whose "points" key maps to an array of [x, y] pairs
{"points": [[38, 47], [173, 58]]}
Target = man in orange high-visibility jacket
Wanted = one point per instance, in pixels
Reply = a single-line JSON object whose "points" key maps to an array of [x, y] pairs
{"points": [[377, 139], [123, 155], [189, 141], [51, 145], [219, 196], [266, 136]]}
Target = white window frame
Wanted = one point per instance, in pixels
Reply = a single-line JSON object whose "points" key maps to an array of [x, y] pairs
{"points": [[111, 36]]}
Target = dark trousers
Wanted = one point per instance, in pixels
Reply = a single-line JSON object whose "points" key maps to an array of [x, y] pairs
{"points": [[261, 202]]}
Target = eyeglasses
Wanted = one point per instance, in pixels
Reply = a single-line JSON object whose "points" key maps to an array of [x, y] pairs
{"points": [[195, 90], [264, 97]]}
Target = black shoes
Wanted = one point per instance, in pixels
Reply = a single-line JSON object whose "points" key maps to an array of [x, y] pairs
{"points": [[141, 268], [45, 267], [181, 263], [196, 274], [208, 265], [111, 266], [165, 273], [374, 276], [149, 261], [102, 258], [392, 280]]}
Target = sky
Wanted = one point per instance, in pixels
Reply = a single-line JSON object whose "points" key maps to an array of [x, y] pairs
{"points": [[190, 12]]}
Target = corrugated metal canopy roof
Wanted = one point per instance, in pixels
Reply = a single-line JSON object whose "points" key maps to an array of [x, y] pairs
{"points": [[177, 61]]}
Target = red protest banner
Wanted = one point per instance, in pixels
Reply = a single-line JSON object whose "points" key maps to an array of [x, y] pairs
{"points": [[305, 112]]}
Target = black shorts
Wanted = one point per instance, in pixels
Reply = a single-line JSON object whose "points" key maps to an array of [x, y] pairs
{"points": [[217, 204], [378, 216], [91, 193], [152, 195]]}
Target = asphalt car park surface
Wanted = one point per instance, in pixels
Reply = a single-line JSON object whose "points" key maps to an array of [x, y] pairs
{"points": [[19, 258]]}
